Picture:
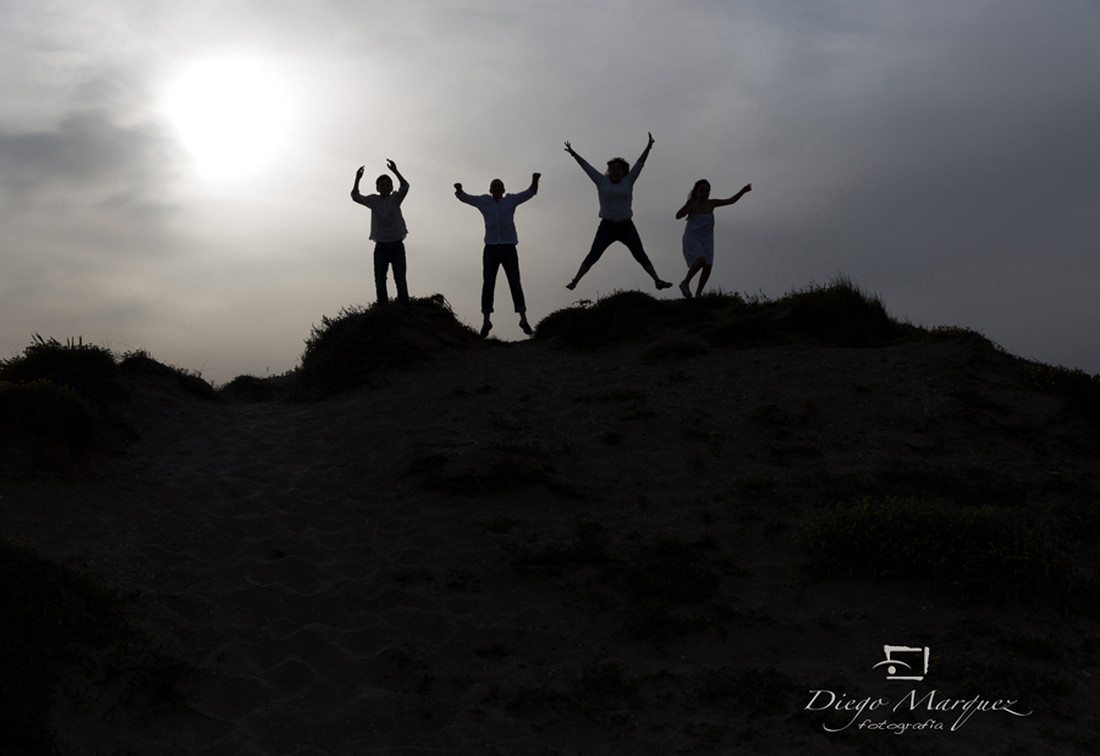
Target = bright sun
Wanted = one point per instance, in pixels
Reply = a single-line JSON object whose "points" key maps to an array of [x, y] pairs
{"points": [[231, 115]]}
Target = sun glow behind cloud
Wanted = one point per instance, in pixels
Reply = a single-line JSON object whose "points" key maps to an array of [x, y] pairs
{"points": [[888, 143], [231, 115]]}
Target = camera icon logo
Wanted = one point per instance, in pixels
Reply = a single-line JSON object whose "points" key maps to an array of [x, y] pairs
{"points": [[914, 655]]}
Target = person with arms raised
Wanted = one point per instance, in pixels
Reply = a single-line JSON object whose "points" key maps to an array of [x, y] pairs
{"points": [[616, 195], [498, 211]]}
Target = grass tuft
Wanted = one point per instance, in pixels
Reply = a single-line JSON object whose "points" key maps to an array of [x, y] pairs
{"points": [[346, 351], [90, 371]]}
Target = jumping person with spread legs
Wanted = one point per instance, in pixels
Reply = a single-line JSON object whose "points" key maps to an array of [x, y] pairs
{"points": [[616, 193]]}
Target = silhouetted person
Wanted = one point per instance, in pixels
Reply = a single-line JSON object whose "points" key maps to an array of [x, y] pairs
{"points": [[699, 232], [616, 192], [387, 230], [498, 210]]}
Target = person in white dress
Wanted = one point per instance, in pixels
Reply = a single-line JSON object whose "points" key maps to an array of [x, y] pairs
{"points": [[698, 241]]}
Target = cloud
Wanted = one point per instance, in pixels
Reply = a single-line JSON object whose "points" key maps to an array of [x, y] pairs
{"points": [[90, 158], [941, 153]]}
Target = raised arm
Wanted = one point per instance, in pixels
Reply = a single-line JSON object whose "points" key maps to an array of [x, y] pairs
{"points": [[529, 192], [648, 147], [358, 178], [402, 183], [719, 203], [592, 172], [573, 153], [640, 162]]}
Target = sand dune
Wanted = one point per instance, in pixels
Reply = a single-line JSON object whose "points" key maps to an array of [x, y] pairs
{"points": [[532, 549]]}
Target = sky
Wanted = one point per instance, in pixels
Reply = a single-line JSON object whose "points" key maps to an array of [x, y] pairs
{"points": [[175, 177]]}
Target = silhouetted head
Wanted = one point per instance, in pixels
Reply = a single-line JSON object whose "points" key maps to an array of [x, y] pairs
{"points": [[384, 185], [701, 190], [617, 168], [496, 188]]}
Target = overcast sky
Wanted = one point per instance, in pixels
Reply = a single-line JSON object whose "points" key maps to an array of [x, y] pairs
{"points": [[942, 154]]}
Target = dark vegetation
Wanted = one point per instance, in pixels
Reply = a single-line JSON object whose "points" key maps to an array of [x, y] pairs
{"points": [[837, 315], [351, 349], [62, 404], [55, 623], [61, 407]]}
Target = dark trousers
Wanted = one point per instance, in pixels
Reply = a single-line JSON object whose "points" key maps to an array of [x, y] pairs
{"points": [[388, 254], [616, 231], [495, 256]]}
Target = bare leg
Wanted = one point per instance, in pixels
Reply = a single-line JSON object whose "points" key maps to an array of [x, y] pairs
{"points": [[660, 283], [580, 274], [703, 277], [685, 285], [696, 265]]}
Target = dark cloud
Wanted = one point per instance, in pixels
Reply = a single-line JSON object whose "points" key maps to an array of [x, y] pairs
{"points": [[91, 158]]}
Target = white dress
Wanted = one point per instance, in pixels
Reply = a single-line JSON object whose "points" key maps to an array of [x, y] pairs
{"points": [[699, 238]]}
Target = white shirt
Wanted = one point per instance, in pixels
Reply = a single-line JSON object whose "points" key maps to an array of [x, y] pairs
{"points": [[500, 224], [387, 224], [615, 199]]}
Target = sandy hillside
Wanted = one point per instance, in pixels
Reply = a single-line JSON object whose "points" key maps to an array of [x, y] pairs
{"points": [[536, 549]]}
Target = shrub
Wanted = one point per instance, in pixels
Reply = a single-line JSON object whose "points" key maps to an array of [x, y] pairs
{"points": [[617, 317], [48, 412], [345, 351], [1080, 389], [89, 370], [837, 314], [140, 365], [249, 388], [841, 314]]}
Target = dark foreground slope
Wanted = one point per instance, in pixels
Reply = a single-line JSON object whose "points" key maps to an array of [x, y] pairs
{"points": [[659, 527]]}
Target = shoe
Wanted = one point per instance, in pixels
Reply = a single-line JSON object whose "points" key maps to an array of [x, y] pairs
{"points": [[526, 327], [685, 290], [664, 284], [485, 329], [571, 285]]}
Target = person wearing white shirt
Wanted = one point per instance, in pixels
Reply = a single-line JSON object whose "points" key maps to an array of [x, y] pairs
{"points": [[387, 230], [498, 211], [616, 193]]}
